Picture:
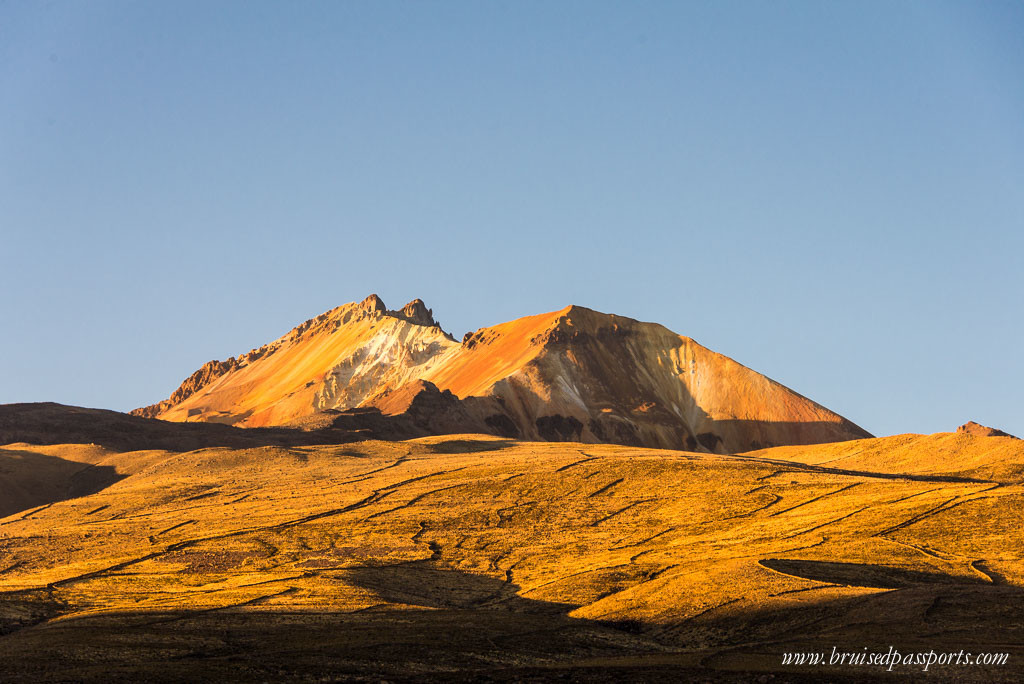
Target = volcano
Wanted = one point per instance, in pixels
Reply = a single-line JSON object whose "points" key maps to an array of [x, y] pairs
{"points": [[569, 375]]}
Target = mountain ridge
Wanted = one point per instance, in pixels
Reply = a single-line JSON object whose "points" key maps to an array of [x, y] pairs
{"points": [[572, 374]]}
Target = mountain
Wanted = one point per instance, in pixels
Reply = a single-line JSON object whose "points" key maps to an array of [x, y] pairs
{"points": [[568, 375]]}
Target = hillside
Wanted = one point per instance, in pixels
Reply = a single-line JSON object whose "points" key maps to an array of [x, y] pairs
{"points": [[458, 557], [959, 454], [568, 375]]}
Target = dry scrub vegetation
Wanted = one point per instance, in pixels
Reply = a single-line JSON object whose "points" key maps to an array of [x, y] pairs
{"points": [[464, 556]]}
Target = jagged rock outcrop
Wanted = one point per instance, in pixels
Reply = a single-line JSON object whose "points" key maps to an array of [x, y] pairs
{"points": [[972, 428], [569, 375], [416, 312], [210, 371], [372, 305]]}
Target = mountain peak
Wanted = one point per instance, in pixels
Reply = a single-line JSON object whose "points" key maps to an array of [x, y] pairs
{"points": [[373, 304], [416, 312]]}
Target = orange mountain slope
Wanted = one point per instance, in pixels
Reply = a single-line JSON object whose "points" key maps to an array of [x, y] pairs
{"points": [[342, 358], [573, 374]]}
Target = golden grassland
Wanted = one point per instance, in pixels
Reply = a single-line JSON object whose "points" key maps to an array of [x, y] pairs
{"points": [[469, 556]]}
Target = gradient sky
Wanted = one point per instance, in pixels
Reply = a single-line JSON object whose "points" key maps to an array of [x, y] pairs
{"points": [[830, 193]]}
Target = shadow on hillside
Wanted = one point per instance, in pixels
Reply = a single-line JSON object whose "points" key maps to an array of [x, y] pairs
{"points": [[863, 574], [469, 446], [939, 615], [738, 436], [29, 480], [49, 423], [427, 620], [432, 624]]}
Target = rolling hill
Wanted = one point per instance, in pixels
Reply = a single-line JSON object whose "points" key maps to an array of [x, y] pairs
{"points": [[467, 557]]}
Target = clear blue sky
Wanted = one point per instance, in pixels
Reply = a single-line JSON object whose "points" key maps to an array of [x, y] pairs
{"points": [[830, 193]]}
